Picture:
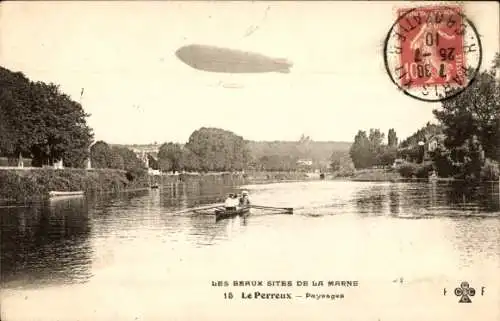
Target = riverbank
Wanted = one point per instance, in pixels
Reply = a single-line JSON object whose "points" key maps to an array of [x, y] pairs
{"points": [[376, 175], [34, 184], [256, 177], [24, 185]]}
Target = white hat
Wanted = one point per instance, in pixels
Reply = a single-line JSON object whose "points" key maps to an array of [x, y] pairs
{"points": [[244, 193]]}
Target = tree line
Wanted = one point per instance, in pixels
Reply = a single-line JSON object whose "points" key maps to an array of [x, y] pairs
{"points": [[103, 155], [38, 121], [207, 150], [469, 123], [369, 149], [214, 149]]}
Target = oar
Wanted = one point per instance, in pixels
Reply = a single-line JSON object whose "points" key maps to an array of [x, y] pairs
{"points": [[288, 210], [201, 212], [192, 209]]}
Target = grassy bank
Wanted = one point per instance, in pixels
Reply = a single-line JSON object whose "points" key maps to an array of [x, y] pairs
{"points": [[376, 175], [28, 185], [268, 177], [32, 184]]}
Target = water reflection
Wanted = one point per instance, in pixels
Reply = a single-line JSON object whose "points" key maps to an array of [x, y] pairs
{"points": [[428, 199], [182, 195], [477, 240], [45, 244], [205, 230], [394, 199]]}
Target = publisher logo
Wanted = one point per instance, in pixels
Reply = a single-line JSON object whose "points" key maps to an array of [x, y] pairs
{"points": [[465, 292]]}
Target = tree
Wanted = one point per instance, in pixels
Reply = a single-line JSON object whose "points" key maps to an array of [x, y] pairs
{"points": [[422, 134], [392, 139], [376, 138], [442, 162], [104, 156], [218, 150], [130, 160], [473, 113], [335, 165], [100, 154], [369, 151], [7, 137], [189, 160], [41, 122], [115, 160], [61, 131], [340, 161], [170, 157], [278, 163], [15, 122], [153, 163], [304, 146], [387, 156], [360, 151]]}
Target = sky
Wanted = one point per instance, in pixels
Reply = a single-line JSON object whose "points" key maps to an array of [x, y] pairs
{"points": [[138, 92]]}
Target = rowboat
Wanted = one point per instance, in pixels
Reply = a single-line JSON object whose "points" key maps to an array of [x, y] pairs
{"points": [[53, 194], [221, 213], [433, 177]]}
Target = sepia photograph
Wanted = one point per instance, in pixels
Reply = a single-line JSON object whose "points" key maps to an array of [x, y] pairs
{"points": [[249, 160]]}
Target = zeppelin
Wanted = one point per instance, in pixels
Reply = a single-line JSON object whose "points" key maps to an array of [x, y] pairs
{"points": [[224, 60]]}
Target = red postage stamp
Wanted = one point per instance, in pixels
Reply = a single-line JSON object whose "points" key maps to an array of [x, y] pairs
{"points": [[432, 52]]}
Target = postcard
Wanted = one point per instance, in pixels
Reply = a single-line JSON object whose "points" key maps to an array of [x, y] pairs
{"points": [[249, 160]]}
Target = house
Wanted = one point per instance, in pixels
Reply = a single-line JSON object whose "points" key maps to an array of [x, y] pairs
{"points": [[304, 162], [58, 164], [154, 172], [433, 142], [423, 148]]}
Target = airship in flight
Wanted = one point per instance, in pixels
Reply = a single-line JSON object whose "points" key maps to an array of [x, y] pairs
{"points": [[224, 60]]}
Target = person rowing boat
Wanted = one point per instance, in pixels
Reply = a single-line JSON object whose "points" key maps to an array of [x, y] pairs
{"points": [[244, 200]]}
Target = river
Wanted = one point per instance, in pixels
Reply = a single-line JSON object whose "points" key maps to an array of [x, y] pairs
{"points": [[131, 257]]}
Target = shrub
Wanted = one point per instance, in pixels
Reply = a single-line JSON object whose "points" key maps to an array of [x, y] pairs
{"points": [[135, 173], [408, 170], [27, 185], [345, 172], [423, 171]]}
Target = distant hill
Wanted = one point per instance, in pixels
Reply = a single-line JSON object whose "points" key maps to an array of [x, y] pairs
{"points": [[317, 151]]}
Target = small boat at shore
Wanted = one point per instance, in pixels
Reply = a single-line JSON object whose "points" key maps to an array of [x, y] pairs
{"points": [[433, 177], [221, 213], [54, 194]]}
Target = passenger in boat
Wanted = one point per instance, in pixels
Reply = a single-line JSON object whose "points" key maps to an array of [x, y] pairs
{"points": [[231, 201], [244, 200]]}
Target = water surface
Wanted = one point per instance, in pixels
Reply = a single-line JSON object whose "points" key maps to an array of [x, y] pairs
{"points": [[132, 257]]}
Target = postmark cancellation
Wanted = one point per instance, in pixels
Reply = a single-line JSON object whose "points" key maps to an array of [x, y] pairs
{"points": [[432, 53]]}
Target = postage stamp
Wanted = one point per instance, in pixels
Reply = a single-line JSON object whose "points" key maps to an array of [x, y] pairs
{"points": [[432, 53]]}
